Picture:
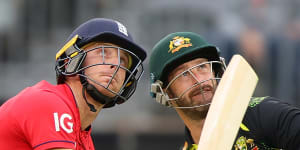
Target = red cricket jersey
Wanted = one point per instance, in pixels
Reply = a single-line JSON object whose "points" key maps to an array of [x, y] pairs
{"points": [[41, 117]]}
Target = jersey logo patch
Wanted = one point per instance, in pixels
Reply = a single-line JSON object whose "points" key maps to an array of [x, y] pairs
{"points": [[256, 100], [63, 122]]}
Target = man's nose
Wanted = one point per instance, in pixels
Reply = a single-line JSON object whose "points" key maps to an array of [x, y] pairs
{"points": [[198, 76], [114, 63]]}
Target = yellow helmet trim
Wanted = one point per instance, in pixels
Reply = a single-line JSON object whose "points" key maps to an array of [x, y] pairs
{"points": [[66, 46]]}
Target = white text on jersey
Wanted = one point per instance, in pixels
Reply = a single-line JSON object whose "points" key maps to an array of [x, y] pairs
{"points": [[59, 122]]}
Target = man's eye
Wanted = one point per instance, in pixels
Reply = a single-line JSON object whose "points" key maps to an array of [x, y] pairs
{"points": [[123, 62], [204, 66], [102, 53], [185, 74]]}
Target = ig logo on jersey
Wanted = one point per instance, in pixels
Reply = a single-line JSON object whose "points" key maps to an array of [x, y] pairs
{"points": [[60, 122]]}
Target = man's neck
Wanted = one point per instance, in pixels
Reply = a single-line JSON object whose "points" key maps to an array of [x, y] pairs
{"points": [[195, 126], [86, 116]]}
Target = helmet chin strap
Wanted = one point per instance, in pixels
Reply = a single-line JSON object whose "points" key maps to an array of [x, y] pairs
{"points": [[92, 107], [95, 94]]}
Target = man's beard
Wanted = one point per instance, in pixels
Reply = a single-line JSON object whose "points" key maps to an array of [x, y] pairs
{"points": [[199, 109], [197, 113], [196, 107]]}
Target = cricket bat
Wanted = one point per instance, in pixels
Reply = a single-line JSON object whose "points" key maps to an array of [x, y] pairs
{"points": [[228, 106]]}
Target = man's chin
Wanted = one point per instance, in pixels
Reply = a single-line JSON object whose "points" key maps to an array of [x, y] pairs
{"points": [[198, 113], [202, 108], [201, 100], [106, 92], [195, 111]]}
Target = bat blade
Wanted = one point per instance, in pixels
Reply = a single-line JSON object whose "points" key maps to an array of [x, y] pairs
{"points": [[228, 106]]}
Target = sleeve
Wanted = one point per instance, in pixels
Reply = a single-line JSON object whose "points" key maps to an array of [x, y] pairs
{"points": [[48, 122], [276, 123]]}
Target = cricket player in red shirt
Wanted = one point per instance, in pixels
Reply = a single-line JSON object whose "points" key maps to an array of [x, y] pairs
{"points": [[97, 68]]}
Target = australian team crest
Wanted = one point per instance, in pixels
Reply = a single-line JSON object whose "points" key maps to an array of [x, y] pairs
{"points": [[179, 42]]}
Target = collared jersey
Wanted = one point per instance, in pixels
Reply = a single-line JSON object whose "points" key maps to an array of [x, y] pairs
{"points": [[40, 117], [268, 124]]}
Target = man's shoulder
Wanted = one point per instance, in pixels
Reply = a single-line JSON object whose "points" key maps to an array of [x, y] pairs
{"points": [[39, 98], [255, 101], [41, 93]]}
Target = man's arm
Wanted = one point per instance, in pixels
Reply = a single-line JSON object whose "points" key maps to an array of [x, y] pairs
{"points": [[282, 127], [274, 123]]}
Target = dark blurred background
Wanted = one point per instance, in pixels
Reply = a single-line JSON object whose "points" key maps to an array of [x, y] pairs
{"points": [[266, 32]]}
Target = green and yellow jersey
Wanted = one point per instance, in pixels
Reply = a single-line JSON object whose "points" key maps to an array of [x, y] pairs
{"points": [[269, 124]]}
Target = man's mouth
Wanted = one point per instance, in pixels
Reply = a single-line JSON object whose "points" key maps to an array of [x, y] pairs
{"points": [[202, 95], [201, 90], [109, 77]]}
